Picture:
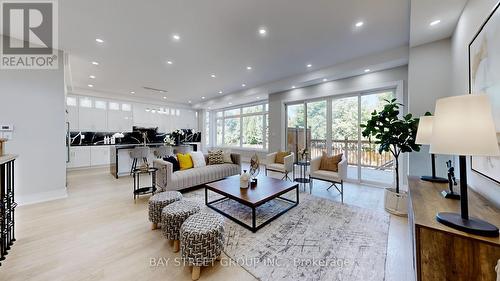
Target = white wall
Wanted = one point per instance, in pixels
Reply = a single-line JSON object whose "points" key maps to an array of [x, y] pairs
{"points": [[429, 78], [34, 102], [474, 14]]}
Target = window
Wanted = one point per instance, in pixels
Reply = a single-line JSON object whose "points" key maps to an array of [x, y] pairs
{"points": [[99, 104], [232, 131], [71, 101], [114, 106], [85, 102], [126, 107], [245, 127], [252, 131]]}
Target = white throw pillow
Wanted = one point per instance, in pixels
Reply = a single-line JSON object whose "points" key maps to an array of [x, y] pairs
{"points": [[226, 154], [198, 159]]}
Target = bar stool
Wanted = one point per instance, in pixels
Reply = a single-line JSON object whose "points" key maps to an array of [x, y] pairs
{"points": [[139, 152], [163, 151]]}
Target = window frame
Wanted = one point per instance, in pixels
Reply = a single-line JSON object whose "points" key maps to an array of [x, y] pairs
{"points": [[220, 115]]}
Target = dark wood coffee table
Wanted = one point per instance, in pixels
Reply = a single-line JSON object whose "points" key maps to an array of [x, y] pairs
{"points": [[266, 190]]}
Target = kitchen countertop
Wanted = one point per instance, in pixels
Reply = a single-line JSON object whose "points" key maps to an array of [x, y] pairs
{"points": [[7, 157]]}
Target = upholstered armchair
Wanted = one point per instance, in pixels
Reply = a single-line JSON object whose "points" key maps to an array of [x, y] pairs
{"points": [[329, 176], [284, 168]]}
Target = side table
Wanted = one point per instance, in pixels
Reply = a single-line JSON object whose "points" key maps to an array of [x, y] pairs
{"points": [[303, 178], [138, 190]]}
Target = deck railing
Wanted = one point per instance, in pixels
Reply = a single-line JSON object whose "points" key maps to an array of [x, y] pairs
{"points": [[369, 156]]}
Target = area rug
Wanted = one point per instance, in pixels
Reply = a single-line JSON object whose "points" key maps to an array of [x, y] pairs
{"points": [[317, 240]]}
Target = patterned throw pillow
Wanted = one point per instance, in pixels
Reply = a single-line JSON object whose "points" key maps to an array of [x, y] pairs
{"points": [[215, 157], [280, 156], [185, 161], [330, 163], [174, 162]]}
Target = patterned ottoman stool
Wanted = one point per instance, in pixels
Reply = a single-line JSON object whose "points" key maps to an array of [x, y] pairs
{"points": [[172, 217], [157, 202], [202, 240]]}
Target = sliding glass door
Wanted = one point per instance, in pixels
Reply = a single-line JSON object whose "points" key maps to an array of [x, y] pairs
{"points": [[333, 127]]}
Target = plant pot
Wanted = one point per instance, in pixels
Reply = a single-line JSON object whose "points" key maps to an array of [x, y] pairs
{"points": [[396, 203]]}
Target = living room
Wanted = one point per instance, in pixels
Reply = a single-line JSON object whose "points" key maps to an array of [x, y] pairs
{"points": [[223, 140]]}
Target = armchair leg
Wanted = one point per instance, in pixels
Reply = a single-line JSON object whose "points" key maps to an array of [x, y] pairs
{"points": [[342, 191]]}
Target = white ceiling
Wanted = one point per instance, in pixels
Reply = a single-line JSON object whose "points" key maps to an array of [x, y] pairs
{"points": [[423, 12], [219, 37]]}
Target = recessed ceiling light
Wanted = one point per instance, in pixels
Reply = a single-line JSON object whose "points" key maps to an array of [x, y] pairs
{"points": [[257, 97], [243, 85], [189, 101], [293, 87], [95, 63], [132, 92], [99, 40], [213, 76], [367, 70], [202, 98], [164, 98], [92, 77], [170, 62], [434, 22], [90, 85], [249, 68], [262, 31], [324, 79], [220, 92], [359, 24], [309, 65], [209, 107], [230, 103], [176, 37]]}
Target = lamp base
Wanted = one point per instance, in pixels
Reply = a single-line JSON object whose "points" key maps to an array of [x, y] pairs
{"points": [[472, 225], [449, 195], [434, 179]]}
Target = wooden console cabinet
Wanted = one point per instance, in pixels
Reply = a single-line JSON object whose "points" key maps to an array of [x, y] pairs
{"points": [[441, 253]]}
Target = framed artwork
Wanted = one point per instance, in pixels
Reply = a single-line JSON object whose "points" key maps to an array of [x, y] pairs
{"points": [[484, 79]]}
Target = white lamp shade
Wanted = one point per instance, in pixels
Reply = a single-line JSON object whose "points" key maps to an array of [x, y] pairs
{"points": [[463, 125], [424, 131]]}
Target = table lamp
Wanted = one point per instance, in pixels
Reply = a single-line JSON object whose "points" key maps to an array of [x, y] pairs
{"points": [[424, 134], [463, 125]]}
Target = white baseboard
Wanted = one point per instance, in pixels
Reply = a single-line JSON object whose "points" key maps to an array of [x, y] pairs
{"points": [[41, 197]]}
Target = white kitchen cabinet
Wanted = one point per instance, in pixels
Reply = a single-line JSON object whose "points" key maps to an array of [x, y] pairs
{"points": [[99, 155], [92, 115], [79, 157], [120, 121]]}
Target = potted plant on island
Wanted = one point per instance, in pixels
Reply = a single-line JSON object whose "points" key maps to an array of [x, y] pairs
{"points": [[396, 135]]}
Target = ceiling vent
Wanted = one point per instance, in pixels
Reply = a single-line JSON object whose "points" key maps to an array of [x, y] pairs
{"points": [[154, 89]]}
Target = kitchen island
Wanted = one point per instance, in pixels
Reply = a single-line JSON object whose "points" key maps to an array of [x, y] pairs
{"points": [[121, 162]]}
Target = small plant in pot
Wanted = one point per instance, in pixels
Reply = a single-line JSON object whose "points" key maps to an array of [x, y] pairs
{"points": [[396, 135]]}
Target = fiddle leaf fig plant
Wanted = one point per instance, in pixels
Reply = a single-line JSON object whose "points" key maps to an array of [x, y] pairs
{"points": [[392, 133]]}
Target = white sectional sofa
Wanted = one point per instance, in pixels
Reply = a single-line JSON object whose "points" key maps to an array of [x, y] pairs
{"points": [[166, 179]]}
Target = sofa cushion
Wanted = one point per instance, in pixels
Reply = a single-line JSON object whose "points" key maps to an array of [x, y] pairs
{"points": [[175, 163], [215, 157], [326, 175], [185, 161], [198, 159], [198, 176], [276, 167]]}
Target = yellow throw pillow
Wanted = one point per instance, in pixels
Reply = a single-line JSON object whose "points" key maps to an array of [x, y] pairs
{"points": [[280, 156], [185, 161]]}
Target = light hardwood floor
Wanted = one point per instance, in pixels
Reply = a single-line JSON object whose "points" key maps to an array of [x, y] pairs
{"points": [[99, 233]]}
